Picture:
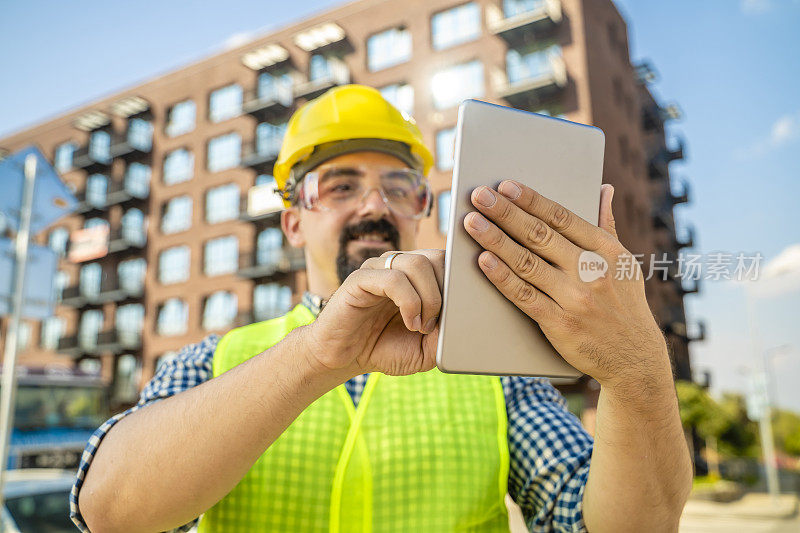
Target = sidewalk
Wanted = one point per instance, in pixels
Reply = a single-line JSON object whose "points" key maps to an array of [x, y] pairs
{"points": [[753, 505]]}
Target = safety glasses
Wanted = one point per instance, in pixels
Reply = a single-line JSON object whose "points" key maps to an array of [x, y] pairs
{"points": [[335, 187]]}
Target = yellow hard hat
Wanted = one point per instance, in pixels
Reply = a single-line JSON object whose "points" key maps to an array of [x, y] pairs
{"points": [[347, 113]]}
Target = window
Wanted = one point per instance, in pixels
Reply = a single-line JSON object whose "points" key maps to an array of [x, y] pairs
{"points": [[271, 300], [140, 134], [181, 118], [57, 241], [172, 317], [269, 138], [178, 166], [133, 227], [129, 321], [177, 215], [222, 203], [95, 222], [275, 87], [319, 67], [221, 256], [100, 146], [91, 277], [63, 158], [60, 282], [137, 180], [531, 64], [455, 26], [459, 82], [517, 7], [225, 103], [269, 247], [96, 190], [89, 328], [224, 152], [131, 274], [52, 330], [219, 310], [443, 208], [388, 48], [173, 265], [126, 381], [445, 148], [401, 96]]}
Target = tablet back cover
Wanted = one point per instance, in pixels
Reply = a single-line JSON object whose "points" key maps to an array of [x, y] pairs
{"points": [[481, 332]]}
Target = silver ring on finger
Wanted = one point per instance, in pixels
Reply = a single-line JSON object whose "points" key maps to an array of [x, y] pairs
{"points": [[388, 264]]}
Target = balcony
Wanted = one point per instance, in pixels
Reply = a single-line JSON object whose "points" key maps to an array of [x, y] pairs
{"points": [[78, 345], [687, 240], [335, 74], [654, 116], [262, 204], [91, 159], [519, 28], [119, 340], [683, 197], [110, 291], [138, 141], [275, 263], [536, 86], [132, 188], [662, 218], [126, 239], [275, 102], [69, 346], [659, 162], [261, 154]]}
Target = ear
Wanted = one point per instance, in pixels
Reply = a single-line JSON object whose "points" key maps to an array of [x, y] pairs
{"points": [[290, 224]]}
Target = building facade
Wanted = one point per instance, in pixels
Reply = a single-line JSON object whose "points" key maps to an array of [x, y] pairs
{"points": [[174, 177]]}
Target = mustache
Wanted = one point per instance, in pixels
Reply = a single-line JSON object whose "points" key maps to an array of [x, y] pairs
{"points": [[381, 227]]}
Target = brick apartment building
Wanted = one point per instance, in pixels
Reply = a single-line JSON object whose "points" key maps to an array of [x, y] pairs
{"points": [[177, 170]]}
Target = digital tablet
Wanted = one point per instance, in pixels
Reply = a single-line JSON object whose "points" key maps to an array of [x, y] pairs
{"points": [[481, 332]]}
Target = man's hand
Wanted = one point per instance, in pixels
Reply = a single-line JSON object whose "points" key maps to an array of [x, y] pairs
{"points": [[383, 320], [603, 327]]}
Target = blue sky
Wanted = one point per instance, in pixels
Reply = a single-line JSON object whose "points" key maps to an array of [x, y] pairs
{"points": [[733, 66]]}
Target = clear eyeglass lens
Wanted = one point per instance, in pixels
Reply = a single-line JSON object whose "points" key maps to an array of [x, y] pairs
{"points": [[404, 189]]}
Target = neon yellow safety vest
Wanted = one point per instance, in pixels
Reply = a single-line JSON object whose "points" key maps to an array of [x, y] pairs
{"points": [[425, 452]]}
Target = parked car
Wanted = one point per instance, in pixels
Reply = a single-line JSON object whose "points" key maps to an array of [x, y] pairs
{"points": [[37, 501]]}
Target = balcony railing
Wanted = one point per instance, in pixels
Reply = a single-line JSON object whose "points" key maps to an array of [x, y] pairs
{"points": [[275, 101], [111, 291], [683, 197], [124, 239], [685, 241], [90, 159], [272, 263], [534, 87], [119, 340], [521, 27], [337, 74], [659, 162], [136, 141], [261, 154], [132, 187]]}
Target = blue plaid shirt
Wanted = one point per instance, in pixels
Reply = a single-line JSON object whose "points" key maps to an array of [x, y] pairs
{"points": [[549, 450]]}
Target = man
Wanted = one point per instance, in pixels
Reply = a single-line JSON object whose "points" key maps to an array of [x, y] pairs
{"points": [[270, 440]]}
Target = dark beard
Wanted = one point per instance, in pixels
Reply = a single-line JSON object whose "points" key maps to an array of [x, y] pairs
{"points": [[346, 264]]}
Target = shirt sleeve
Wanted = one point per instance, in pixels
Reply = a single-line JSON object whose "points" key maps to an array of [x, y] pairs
{"points": [[550, 453], [191, 367]]}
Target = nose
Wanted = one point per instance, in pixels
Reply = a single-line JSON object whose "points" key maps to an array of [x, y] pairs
{"points": [[373, 203]]}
